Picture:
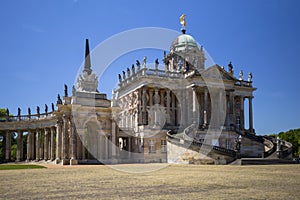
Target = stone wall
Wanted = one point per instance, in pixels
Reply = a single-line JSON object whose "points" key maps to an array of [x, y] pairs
{"points": [[182, 154]]}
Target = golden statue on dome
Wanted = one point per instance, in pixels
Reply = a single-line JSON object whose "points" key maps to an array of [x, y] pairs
{"points": [[182, 20]]}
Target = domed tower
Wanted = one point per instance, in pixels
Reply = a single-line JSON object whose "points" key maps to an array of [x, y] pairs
{"points": [[184, 54]]}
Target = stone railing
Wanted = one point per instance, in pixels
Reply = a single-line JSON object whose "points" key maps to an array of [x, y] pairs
{"points": [[250, 135], [243, 83], [287, 150], [27, 117], [185, 140], [268, 142], [144, 72]]}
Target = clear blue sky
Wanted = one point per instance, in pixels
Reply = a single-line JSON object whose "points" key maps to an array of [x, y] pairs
{"points": [[42, 46]]}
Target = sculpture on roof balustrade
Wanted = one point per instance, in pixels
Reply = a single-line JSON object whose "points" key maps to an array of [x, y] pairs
{"points": [[19, 113], [38, 111], [52, 105], [59, 101], [241, 75], [230, 68], [66, 90], [46, 109], [250, 77], [156, 63], [144, 61]]}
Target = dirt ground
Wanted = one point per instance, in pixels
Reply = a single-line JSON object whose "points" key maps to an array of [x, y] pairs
{"points": [[170, 182]]}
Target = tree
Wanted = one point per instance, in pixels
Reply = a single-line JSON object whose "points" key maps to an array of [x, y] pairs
{"points": [[3, 114], [292, 136]]}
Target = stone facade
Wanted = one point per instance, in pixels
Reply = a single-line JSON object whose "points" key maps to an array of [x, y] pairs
{"points": [[183, 113]]}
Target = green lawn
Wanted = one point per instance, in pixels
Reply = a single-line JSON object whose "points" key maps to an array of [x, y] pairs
{"points": [[19, 166]]}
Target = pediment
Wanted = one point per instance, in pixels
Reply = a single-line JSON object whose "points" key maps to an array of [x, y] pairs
{"points": [[216, 72]]}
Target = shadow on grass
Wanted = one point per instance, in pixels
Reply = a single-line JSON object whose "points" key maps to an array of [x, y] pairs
{"points": [[16, 166]]}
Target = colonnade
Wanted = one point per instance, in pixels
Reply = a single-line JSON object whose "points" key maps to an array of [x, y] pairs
{"points": [[40, 144], [141, 106], [224, 104], [182, 107]]}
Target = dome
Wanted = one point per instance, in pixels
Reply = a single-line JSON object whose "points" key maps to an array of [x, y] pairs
{"points": [[183, 42]]}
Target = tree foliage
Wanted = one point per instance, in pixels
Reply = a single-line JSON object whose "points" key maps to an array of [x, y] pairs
{"points": [[292, 136], [3, 114]]}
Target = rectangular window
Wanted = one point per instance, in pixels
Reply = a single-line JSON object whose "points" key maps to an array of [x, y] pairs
{"points": [[227, 144], [163, 146], [152, 146]]}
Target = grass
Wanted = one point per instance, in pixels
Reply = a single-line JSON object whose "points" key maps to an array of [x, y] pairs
{"points": [[171, 182], [19, 166]]}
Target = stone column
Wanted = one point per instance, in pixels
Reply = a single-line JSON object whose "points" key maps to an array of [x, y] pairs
{"points": [[156, 103], [37, 145], [173, 105], [151, 97], [52, 145], [183, 96], [168, 106], [242, 113], [58, 141], [3, 150], [46, 144], [205, 107], [222, 108], [78, 147], [232, 108], [29, 145], [114, 146], [83, 142], [144, 112], [139, 106], [20, 146], [129, 147], [195, 108], [250, 115], [65, 140], [162, 98], [106, 148], [7, 145], [73, 143], [41, 145], [215, 111], [32, 145]]}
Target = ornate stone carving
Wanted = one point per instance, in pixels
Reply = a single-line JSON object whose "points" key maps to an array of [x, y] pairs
{"points": [[87, 82]]}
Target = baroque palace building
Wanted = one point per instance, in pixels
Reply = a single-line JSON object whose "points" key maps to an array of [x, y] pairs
{"points": [[184, 113]]}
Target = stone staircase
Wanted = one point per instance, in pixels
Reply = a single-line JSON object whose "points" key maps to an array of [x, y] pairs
{"points": [[187, 139]]}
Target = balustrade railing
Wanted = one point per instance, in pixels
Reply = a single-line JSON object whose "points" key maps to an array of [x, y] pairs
{"points": [[243, 83], [150, 72], [186, 140], [27, 117]]}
